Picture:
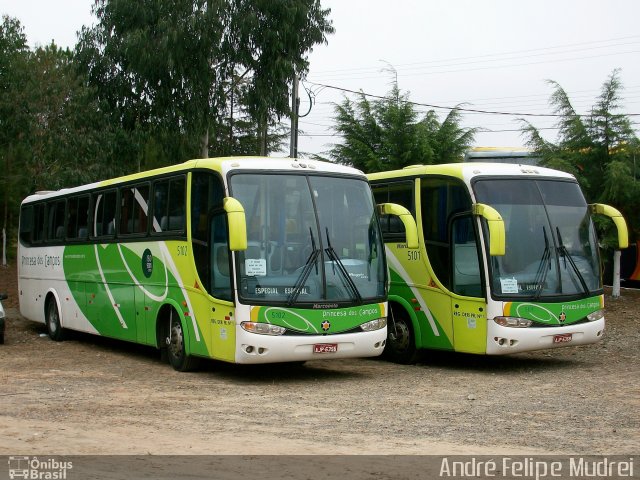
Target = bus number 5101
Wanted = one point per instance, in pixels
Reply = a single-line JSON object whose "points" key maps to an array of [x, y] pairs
{"points": [[413, 255]]}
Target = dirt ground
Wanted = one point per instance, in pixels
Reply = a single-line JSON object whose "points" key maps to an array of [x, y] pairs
{"points": [[90, 395]]}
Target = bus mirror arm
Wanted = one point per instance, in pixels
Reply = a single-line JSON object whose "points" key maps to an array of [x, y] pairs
{"points": [[405, 216], [496, 228], [618, 220], [237, 224]]}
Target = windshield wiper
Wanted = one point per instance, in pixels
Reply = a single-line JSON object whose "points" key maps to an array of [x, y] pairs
{"points": [[541, 274], [306, 271], [564, 253], [333, 256]]}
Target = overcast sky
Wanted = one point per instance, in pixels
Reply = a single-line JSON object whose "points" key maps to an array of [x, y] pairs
{"points": [[492, 55]]}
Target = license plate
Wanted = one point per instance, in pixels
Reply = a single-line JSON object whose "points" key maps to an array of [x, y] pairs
{"points": [[562, 338], [325, 348]]}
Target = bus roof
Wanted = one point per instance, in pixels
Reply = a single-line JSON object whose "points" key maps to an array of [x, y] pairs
{"points": [[468, 171], [222, 165]]}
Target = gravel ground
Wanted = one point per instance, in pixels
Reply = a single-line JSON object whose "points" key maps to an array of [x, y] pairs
{"points": [[91, 395]]}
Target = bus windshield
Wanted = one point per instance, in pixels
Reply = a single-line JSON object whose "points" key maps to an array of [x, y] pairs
{"points": [[311, 239], [551, 242]]}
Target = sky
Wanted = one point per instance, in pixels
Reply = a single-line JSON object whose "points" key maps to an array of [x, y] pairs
{"points": [[489, 55]]}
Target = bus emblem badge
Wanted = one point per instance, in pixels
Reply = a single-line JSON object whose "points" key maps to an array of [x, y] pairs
{"points": [[326, 325], [562, 317], [147, 263]]}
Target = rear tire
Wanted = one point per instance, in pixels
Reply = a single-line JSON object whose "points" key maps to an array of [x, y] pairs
{"points": [[401, 340], [52, 320], [176, 350]]}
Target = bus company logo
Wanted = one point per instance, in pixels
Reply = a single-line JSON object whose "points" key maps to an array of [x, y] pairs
{"points": [[326, 325], [35, 468], [147, 263], [562, 317]]}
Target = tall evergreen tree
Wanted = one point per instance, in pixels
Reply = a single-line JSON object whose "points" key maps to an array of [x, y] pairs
{"points": [[170, 67], [14, 118], [387, 134], [599, 148]]}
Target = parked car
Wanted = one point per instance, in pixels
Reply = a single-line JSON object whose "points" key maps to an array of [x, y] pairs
{"points": [[2, 297]]}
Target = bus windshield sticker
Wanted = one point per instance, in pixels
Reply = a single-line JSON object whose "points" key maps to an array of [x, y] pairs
{"points": [[256, 267], [509, 285]]}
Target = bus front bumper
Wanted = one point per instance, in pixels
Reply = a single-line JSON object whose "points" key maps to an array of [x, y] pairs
{"points": [[504, 340], [256, 348]]}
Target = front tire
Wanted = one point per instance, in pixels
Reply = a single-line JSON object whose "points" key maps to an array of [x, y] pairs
{"points": [[401, 340], [176, 350], [52, 320]]}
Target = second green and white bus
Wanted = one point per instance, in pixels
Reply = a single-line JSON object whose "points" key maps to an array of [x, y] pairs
{"points": [[247, 260], [508, 260]]}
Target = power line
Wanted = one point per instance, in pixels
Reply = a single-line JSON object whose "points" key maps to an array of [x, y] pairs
{"points": [[461, 109], [349, 71]]}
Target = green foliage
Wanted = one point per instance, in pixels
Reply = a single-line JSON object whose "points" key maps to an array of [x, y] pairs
{"points": [[169, 69], [600, 149], [386, 134], [153, 83]]}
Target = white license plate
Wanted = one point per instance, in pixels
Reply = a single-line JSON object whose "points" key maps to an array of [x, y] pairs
{"points": [[563, 338], [325, 348]]}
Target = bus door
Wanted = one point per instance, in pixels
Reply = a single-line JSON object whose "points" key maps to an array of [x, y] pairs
{"points": [[468, 305], [456, 299]]}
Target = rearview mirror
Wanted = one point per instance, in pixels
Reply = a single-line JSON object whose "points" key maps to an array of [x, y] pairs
{"points": [[497, 241], [237, 224]]}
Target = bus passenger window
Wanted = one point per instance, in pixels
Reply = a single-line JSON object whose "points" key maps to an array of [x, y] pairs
{"points": [[169, 205], [134, 209], [55, 221], [104, 217], [77, 216], [38, 223], [27, 225]]}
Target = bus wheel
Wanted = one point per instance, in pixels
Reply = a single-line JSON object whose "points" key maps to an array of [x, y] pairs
{"points": [[401, 342], [176, 351], [54, 328]]}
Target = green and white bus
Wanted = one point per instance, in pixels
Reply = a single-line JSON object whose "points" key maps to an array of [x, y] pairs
{"points": [[247, 260], [508, 260]]}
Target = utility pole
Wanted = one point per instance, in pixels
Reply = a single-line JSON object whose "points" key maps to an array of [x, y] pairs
{"points": [[295, 106]]}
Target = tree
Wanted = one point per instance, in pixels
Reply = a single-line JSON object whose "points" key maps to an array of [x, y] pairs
{"points": [[599, 149], [386, 134], [168, 67], [14, 117]]}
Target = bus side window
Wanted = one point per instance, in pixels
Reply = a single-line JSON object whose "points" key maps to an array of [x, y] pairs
{"points": [[466, 266], [395, 192], [104, 214], [207, 194], [77, 216], [27, 224], [32, 224], [38, 223], [177, 204], [83, 218], [220, 284], [134, 209], [55, 221], [441, 199], [169, 205]]}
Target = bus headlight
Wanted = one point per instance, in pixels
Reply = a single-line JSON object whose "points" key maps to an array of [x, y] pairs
{"points": [[514, 322], [263, 328], [376, 324], [597, 315]]}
